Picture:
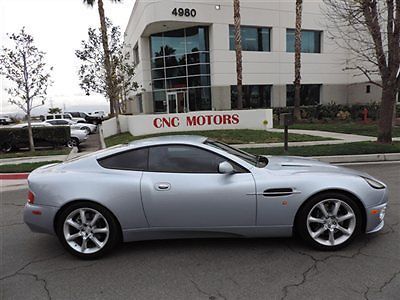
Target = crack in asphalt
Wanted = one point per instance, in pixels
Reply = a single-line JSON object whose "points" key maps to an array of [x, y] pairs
{"points": [[210, 296], [12, 224], [314, 265], [384, 285], [21, 272]]}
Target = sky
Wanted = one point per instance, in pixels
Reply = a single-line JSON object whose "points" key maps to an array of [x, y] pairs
{"points": [[58, 27]]}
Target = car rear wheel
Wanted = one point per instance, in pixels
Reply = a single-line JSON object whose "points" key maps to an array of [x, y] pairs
{"points": [[87, 230], [329, 221]]}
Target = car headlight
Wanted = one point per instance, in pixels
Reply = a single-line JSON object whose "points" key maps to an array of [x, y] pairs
{"points": [[374, 183]]}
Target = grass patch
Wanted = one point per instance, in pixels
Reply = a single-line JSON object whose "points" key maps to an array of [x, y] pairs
{"points": [[345, 127], [327, 150], [238, 136], [36, 153], [25, 167]]}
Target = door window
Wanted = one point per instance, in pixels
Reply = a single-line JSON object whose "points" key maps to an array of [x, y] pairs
{"points": [[134, 160], [185, 159]]}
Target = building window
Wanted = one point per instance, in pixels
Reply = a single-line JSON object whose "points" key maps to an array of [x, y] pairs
{"points": [[368, 89], [254, 96], [139, 103], [180, 62], [136, 55], [253, 38], [309, 94], [310, 41]]}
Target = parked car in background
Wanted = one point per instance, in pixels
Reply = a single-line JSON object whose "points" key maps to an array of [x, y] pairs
{"points": [[98, 113], [5, 120], [66, 116], [89, 128], [77, 137], [89, 119]]}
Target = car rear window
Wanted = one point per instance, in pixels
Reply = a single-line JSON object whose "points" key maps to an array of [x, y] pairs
{"points": [[133, 160]]}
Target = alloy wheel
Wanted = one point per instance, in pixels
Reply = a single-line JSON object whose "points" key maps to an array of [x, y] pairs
{"points": [[86, 230], [331, 222]]}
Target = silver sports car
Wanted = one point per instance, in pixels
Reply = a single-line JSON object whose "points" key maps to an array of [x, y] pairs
{"points": [[191, 186]]}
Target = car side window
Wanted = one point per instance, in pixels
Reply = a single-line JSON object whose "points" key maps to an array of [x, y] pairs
{"points": [[62, 122], [186, 159], [133, 160]]}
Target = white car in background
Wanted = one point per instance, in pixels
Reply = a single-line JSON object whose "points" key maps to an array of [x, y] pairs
{"points": [[98, 113], [78, 136], [67, 116], [89, 128]]}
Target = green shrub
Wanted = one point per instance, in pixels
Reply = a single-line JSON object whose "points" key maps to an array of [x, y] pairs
{"points": [[42, 136], [333, 111]]}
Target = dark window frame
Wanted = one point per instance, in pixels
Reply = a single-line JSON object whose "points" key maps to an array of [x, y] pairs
{"points": [[320, 36], [260, 41]]}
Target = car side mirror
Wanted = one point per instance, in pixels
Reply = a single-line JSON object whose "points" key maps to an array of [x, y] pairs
{"points": [[225, 168]]}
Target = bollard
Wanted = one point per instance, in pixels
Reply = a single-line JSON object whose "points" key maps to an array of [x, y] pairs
{"points": [[286, 120]]}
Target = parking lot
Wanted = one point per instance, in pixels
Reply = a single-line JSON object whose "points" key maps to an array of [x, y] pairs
{"points": [[35, 266]]}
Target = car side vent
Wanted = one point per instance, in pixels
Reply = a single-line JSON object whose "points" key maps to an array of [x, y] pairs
{"points": [[278, 192]]}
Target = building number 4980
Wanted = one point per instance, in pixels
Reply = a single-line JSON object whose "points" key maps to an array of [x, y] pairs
{"points": [[184, 12]]}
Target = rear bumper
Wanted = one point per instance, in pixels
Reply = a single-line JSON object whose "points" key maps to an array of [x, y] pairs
{"points": [[40, 218]]}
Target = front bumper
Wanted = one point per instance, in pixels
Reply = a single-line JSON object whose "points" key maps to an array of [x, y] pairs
{"points": [[40, 218], [375, 218]]}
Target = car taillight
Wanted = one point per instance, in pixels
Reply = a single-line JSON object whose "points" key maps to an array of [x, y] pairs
{"points": [[31, 197]]}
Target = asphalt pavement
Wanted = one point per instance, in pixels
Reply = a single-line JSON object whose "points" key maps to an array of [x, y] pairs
{"points": [[35, 266]]}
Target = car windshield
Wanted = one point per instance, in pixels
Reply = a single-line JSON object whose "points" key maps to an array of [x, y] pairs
{"points": [[255, 160]]}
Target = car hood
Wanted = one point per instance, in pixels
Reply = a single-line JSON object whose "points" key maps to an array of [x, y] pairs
{"points": [[293, 164]]}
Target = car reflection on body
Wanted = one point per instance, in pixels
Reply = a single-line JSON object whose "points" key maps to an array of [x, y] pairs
{"points": [[191, 186]]}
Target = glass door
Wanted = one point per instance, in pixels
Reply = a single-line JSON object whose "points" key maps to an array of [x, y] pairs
{"points": [[172, 103]]}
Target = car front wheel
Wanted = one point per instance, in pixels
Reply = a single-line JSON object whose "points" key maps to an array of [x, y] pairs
{"points": [[87, 230], [73, 142], [329, 221]]}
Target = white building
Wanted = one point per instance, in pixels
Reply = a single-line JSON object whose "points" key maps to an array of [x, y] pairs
{"points": [[185, 58]]}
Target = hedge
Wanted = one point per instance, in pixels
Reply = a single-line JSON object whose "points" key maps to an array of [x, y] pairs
{"points": [[334, 111], [42, 136]]}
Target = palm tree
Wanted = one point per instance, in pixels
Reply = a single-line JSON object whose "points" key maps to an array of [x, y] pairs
{"points": [[238, 50], [297, 60], [112, 90]]}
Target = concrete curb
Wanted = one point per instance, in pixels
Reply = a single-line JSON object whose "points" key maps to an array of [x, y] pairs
{"points": [[359, 158], [72, 154], [101, 136]]}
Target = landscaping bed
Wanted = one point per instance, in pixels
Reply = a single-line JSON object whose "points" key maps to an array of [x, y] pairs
{"points": [[36, 153], [328, 150], [238, 136], [345, 127], [24, 167]]}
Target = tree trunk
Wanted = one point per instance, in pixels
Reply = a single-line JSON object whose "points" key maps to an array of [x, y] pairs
{"points": [[297, 60], [238, 51], [107, 59], [30, 133], [385, 125]]}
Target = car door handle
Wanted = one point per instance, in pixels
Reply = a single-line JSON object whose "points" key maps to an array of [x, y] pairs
{"points": [[163, 186]]}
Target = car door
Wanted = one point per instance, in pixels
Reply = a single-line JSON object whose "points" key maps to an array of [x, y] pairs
{"points": [[182, 188]]}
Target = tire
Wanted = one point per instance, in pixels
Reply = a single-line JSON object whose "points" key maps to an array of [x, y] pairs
{"points": [[73, 142], [69, 223], [332, 229], [87, 129], [7, 147]]}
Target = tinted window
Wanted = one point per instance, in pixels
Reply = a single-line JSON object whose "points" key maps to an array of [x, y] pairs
{"points": [[254, 96], [309, 94], [310, 41], [134, 160], [185, 159], [253, 38]]}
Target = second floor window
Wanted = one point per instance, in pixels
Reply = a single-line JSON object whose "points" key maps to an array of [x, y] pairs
{"points": [[310, 41], [253, 38]]}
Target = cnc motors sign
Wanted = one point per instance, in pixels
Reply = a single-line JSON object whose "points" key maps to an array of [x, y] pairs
{"points": [[260, 119], [193, 121]]}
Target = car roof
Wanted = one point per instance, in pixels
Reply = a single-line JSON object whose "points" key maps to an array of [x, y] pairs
{"points": [[170, 139]]}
